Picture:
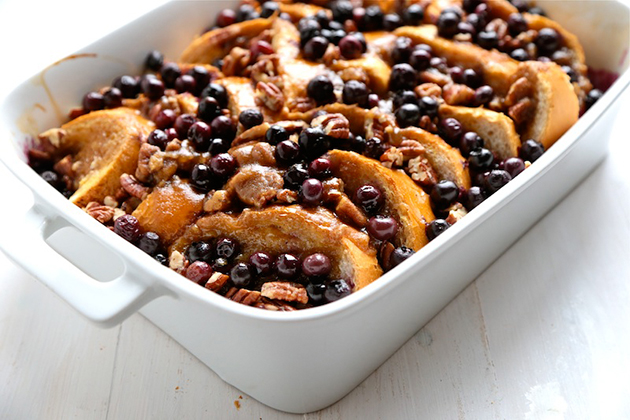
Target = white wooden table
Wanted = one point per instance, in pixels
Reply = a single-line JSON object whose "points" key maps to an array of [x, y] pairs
{"points": [[544, 333]]}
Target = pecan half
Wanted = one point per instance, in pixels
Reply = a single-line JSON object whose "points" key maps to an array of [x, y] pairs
{"points": [[256, 185], [143, 171], [251, 134], [354, 73], [244, 296], [349, 213], [421, 171], [133, 187], [428, 89], [456, 94], [522, 111], [266, 70], [270, 96], [520, 89], [236, 61], [216, 281], [392, 158], [334, 125], [427, 124], [274, 305], [411, 149], [284, 290], [99, 211]]}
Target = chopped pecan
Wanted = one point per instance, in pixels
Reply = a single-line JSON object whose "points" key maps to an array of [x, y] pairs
{"points": [[292, 126], [332, 54], [392, 158], [244, 296], [284, 290], [273, 305], [334, 125], [333, 189], [411, 149], [36, 156], [165, 102], [130, 204], [287, 196], [520, 89], [349, 213], [421, 171], [499, 26], [522, 111], [456, 94], [220, 200], [354, 73], [385, 254], [270, 96], [236, 61], [426, 123], [51, 139], [173, 145], [256, 185], [143, 171], [64, 166], [428, 89], [110, 201], [118, 213], [266, 70], [177, 261], [455, 213], [301, 104], [216, 281], [99, 211], [133, 187]]}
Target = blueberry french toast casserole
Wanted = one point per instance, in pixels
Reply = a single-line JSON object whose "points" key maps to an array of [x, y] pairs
{"points": [[294, 152]]}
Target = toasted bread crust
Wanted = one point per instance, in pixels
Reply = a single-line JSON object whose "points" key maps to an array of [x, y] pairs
{"points": [[405, 200], [279, 229], [105, 145], [496, 129]]}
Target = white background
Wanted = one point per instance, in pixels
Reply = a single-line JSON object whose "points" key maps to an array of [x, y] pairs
{"points": [[544, 333]]}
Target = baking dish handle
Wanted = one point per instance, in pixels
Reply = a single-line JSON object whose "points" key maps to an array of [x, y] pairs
{"points": [[105, 303]]}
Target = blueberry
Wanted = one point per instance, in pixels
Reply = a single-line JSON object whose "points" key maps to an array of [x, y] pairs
{"points": [[158, 138], [112, 98], [199, 251], [261, 263], [170, 72], [128, 86], [316, 293], [483, 95], [420, 59], [480, 159], [513, 166], [593, 96], [315, 48], [531, 150], [516, 24], [226, 17], [269, 8], [251, 118], [200, 134], [342, 10], [408, 115], [276, 134], [548, 40], [470, 141], [382, 228], [413, 15], [287, 266], [369, 198], [316, 265], [429, 106], [520, 54], [319, 168], [402, 49], [436, 228], [241, 275], [128, 227], [487, 39], [404, 97], [496, 179], [321, 89], [202, 177], [295, 176], [287, 152], [312, 191], [223, 165], [473, 197], [226, 248], [149, 242], [209, 109], [313, 142], [199, 272], [350, 47], [216, 91], [447, 24], [403, 77], [399, 255], [154, 60], [337, 289], [355, 92], [451, 130], [444, 193]]}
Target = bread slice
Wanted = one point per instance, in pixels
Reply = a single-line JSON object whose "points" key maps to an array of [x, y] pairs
{"points": [[293, 229], [169, 208], [377, 70], [497, 130], [298, 11], [404, 199], [217, 43], [104, 145], [557, 107]]}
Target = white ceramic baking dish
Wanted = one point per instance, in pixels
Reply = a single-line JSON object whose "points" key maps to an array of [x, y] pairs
{"points": [[297, 362]]}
